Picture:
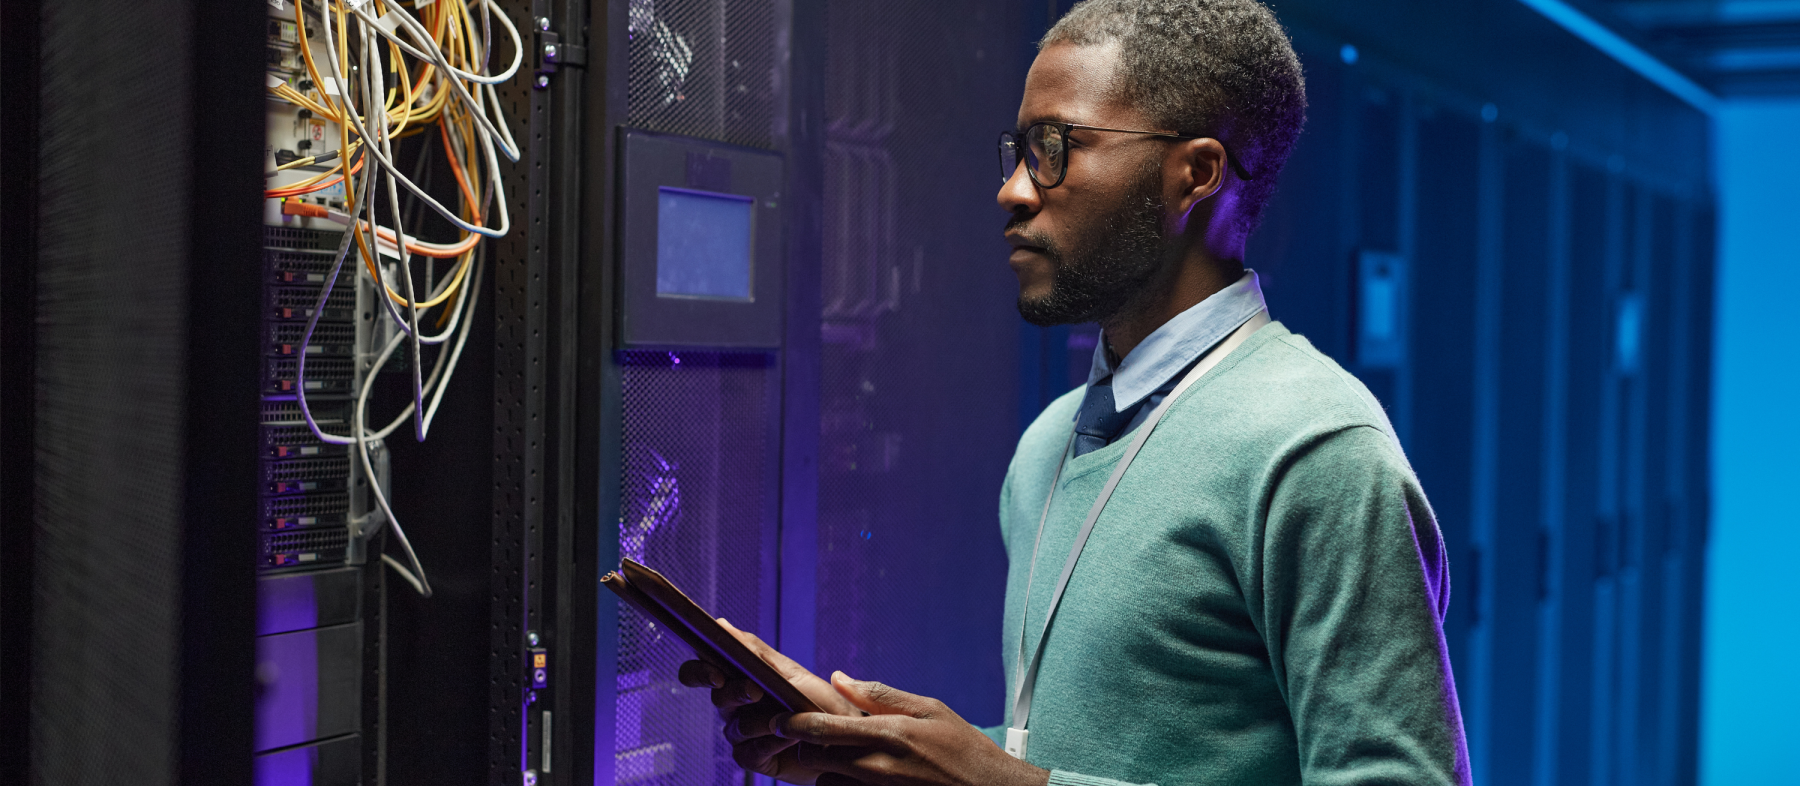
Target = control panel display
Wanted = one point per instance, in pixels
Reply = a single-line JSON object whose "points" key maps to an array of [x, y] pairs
{"points": [[703, 244]]}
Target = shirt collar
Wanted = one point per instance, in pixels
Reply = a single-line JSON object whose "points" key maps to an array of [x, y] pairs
{"points": [[1178, 343]]}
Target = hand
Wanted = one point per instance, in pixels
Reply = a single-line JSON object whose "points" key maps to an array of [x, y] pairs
{"points": [[748, 714], [906, 740]]}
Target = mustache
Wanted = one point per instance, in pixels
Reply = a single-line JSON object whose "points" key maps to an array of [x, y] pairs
{"points": [[1022, 224]]}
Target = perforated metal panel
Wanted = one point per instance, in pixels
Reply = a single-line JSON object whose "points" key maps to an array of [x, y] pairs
{"points": [[700, 460], [704, 68], [918, 388], [112, 322]]}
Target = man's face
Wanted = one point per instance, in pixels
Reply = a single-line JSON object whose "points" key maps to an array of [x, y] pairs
{"points": [[1081, 250]]}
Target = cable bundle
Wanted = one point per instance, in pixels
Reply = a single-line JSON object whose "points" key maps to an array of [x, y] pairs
{"points": [[435, 72]]}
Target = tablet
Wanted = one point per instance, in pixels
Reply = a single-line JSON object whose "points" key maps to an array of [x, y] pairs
{"points": [[669, 606]]}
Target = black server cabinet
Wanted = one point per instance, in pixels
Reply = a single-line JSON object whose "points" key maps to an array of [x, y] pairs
{"points": [[695, 367]]}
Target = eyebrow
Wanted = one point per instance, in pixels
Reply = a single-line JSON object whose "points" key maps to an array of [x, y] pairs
{"points": [[1036, 120]]}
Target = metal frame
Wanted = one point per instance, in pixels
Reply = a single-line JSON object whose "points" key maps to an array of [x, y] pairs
{"points": [[576, 328], [218, 595], [18, 376], [790, 254], [803, 146]]}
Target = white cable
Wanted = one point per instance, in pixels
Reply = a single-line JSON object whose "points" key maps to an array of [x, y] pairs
{"points": [[405, 574], [494, 166], [474, 295], [312, 322], [511, 148], [439, 59], [375, 154], [360, 419], [379, 166], [423, 38], [362, 450], [433, 384], [373, 76]]}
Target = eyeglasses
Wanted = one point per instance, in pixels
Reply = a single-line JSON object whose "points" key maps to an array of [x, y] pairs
{"points": [[1046, 151]]}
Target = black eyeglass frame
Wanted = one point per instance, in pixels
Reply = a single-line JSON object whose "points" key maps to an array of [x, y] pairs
{"points": [[1014, 138]]}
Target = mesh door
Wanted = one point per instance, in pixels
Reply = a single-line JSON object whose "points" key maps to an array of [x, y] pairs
{"points": [[919, 390], [703, 68], [111, 398], [696, 505]]}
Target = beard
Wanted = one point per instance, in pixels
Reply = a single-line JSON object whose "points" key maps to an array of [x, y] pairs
{"points": [[1109, 262]]}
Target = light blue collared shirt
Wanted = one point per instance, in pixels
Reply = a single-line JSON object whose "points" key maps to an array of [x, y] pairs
{"points": [[1172, 348]]}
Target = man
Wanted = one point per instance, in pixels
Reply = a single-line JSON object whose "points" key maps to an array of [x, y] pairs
{"points": [[1259, 599]]}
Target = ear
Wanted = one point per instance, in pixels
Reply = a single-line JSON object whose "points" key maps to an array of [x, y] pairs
{"points": [[1198, 171]]}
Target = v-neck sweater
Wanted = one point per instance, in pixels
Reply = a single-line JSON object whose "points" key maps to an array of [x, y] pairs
{"points": [[1261, 602]]}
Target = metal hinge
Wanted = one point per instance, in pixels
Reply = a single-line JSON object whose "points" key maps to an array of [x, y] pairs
{"points": [[554, 54]]}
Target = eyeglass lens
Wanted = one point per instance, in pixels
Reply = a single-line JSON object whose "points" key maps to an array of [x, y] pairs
{"points": [[1043, 154]]}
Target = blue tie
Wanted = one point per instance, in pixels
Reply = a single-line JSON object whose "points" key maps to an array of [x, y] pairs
{"points": [[1098, 424]]}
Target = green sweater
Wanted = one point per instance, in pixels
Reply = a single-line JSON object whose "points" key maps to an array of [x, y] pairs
{"points": [[1261, 603]]}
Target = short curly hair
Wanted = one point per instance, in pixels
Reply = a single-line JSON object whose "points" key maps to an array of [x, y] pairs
{"points": [[1224, 68]]}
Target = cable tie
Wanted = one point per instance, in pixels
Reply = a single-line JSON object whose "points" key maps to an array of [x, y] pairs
{"points": [[389, 21], [274, 81]]}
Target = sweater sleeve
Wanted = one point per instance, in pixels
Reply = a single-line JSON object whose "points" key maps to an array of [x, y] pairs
{"points": [[1354, 585]]}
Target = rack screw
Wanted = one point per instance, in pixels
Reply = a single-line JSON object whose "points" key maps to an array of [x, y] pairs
{"points": [[532, 637], [543, 23], [543, 81]]}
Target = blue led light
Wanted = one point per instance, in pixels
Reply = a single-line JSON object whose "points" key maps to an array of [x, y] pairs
{"points": [[1628, 54]]}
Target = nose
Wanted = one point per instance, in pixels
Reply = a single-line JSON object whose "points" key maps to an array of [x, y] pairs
{"points": [[1018, 193]]}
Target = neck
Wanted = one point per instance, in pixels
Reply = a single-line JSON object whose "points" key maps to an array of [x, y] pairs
{"points": [[1182, 287]]}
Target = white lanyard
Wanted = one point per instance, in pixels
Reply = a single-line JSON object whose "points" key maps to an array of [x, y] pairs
{"points": [[1016, 735]]}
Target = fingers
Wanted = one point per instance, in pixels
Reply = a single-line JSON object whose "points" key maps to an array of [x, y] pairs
{"points": [[756, 720], [734, 694], [834, 779], [840, 760], [700, 674], [761, 755], [878, 699], [820, 728]]}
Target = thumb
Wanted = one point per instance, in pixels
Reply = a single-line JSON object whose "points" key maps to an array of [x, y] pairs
{"points": [[879, 699]]}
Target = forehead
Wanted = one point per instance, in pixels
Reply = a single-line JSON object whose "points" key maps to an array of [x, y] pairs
{"points": [[1073, 84]]}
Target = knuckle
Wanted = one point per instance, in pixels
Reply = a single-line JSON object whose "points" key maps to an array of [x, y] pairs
{"points": [[891, 734], [878, 765]]}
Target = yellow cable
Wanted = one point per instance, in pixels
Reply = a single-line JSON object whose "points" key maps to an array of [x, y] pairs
{"points": [[449, 28]]}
